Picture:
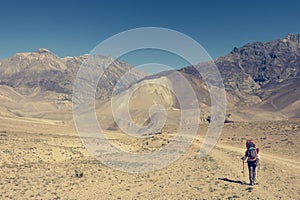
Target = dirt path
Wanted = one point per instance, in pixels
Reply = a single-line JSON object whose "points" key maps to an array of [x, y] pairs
{"points": [[278, 177], [268, 157]]}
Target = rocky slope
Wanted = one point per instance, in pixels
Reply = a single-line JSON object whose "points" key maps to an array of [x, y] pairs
{"points": [[43, 71], [262, 64], [262, 74]]}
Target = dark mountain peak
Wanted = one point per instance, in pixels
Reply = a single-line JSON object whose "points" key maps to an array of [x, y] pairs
{"points": [[251, 70], [289, 44], [293, 37]]}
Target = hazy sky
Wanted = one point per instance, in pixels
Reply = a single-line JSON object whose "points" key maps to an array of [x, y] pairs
{"points": [[76, 27]]}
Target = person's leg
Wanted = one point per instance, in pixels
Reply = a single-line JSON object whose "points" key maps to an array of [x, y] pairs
{"points": [[254, 171], [250, 172], [251, 168]]}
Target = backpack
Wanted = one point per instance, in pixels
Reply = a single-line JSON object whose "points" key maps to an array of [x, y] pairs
{"points": [[251, 151]]}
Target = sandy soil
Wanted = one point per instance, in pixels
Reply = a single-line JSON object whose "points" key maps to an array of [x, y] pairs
{"points": [[39, 159]]}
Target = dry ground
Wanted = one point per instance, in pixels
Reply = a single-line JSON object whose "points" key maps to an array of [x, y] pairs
{"points": [[38, 159]]}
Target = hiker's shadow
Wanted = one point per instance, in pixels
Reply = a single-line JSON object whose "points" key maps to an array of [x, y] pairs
{"points": [[233, 181]]}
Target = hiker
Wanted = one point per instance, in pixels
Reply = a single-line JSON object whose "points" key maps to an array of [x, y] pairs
{"points": [[252, 156]]}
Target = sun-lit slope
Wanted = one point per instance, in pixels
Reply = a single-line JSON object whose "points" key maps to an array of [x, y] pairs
{"points": [[8, 94], [41, 109], [152, 97], [139, 100], [292, 110], [5, 112], [46, 105], [284, 99]]}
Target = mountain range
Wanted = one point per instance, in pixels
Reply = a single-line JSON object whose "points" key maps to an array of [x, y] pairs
{"points": [[263, 75], [258, 78]]}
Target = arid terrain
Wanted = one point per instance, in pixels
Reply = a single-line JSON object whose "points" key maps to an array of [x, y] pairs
{"points": [[43, 157], [39, 159]]}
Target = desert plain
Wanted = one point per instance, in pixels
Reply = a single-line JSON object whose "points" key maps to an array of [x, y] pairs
{"points": [[39, 158]]}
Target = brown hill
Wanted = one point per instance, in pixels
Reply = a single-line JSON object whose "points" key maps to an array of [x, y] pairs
{"points": [[284, 98]]}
